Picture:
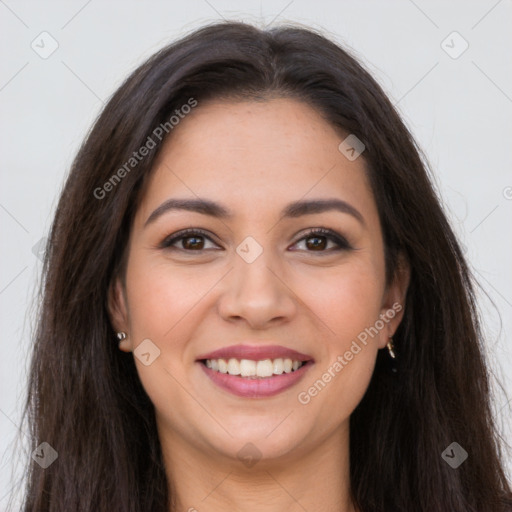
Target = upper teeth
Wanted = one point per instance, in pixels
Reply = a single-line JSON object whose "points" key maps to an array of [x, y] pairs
{"points": [[250, 368]]}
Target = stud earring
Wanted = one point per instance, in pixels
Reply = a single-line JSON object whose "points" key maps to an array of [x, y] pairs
{"points": [[121, 336]]}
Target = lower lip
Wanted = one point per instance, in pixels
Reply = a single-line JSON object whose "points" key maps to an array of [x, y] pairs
{"points": [[256, 388]]}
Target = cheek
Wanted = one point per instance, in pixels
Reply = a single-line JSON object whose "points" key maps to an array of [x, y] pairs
{"points": [[348, 303], [162, 310], [354, 309], [162, 298], [346, 299]]}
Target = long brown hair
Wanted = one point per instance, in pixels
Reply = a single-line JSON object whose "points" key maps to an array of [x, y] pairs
{"points": [[85, 398]]}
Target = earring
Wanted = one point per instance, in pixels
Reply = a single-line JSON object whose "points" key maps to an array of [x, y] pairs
{"points": [[391, 348], [392, 361], [121, 336]]}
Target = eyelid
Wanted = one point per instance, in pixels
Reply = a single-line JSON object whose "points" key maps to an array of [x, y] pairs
{"points": [[184, 233], [340, 240]]}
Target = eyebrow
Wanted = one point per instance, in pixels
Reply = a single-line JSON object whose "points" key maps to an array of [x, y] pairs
{"points": [[292, 210]]}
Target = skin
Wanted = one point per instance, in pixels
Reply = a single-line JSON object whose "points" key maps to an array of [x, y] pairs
{"points": [[254, 158]]}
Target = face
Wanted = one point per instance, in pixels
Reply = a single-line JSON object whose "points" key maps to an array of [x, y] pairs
{"points": [[261, 282]]}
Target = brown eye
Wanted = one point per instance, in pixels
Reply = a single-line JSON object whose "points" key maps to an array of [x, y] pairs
{"points": [[323, 240], [191, 240], [316, 242]]}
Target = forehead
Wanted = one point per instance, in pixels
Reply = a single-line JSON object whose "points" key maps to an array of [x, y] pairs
{"points": [[255, 154]]}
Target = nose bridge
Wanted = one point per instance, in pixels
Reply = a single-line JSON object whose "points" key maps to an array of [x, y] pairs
{"points": [[252, 267], [255, 292]]}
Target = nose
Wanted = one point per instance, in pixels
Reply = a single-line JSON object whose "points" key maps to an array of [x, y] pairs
{"points": [[257, 293]]}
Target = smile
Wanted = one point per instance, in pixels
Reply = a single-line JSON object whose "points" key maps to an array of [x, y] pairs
{"points": [[254, 369]]}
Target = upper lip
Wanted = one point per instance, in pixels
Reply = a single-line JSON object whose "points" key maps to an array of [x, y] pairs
{"points": [[256, 353]]}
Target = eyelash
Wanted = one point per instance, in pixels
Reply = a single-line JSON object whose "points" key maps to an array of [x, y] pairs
{"points": [[322, 232]]}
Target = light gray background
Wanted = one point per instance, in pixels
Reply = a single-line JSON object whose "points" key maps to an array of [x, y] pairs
{"points": [[459, 109]]}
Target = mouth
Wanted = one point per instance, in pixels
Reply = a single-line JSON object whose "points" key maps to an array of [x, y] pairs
{"points": [[255, 372], [248, 368]]}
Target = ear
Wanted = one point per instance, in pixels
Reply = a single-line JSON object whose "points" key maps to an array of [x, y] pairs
{"points": [[118, 312], [393, 303]]}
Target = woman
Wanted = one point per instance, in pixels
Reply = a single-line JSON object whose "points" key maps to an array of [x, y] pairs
{"points": [[253, 300]]}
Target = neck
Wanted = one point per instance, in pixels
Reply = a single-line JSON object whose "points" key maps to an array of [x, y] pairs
{"points": [[316, 479]]}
